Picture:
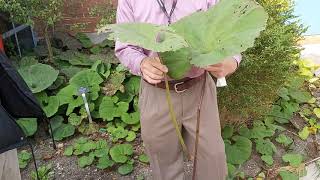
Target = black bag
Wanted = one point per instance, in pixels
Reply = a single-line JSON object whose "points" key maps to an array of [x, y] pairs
{"points": [[15, 95], [17, 101], [11, 134]]}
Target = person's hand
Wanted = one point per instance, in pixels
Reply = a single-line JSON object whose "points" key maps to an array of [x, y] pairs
{"points": [[152, 70], [226, 67]]}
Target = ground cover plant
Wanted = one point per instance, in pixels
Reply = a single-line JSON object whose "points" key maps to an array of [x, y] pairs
{"points": [[112, 95]]}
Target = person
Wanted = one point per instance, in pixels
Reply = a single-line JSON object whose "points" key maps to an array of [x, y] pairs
{"points": [[158, 133], [9, 166]]}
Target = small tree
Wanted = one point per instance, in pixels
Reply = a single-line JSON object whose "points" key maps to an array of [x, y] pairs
{"points": [[46, 12], [265, 67]]}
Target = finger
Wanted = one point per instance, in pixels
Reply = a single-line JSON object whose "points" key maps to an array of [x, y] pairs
{"points": [[153, 69], [153, 76], [213, 69], [157, 64], [218, 74], [150, 80]]}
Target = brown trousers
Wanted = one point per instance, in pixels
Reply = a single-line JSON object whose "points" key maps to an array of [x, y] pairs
{"points": [[161, 141], [9, 166]]}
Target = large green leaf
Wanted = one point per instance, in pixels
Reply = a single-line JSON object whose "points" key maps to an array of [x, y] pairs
{"points": [[65, 130], [133, 85], [293, 159], [132, 118], [70, 96], [120, 153], [50, 104], [151, 37], [178, 62], [39, 76], [114, 83], [226, 29], [86, 78], [76, 58], [28, 125], [108, 110], [240, 151]]}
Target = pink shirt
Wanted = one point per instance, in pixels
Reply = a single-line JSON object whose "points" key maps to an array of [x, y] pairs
{"points": [[149, 11]]}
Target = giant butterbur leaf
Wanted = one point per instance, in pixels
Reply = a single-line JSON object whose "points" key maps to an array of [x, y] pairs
{"points": [[39, 76], [226, 29], [240, 151], [152, 37], [69, 95], [28, 125], [178, 62], [120, 153], [108, 110]]}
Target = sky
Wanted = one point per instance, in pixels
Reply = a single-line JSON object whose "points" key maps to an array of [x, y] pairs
{"points": [[309, 12]]}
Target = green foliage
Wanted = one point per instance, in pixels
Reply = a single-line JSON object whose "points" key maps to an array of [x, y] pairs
{"points": [[50, 104], [39, 76], [120, 153], [105, 162], [267, 159], [283, 139], [111, 108], [304, 133], [265, 147], [85, 160], [45, 173], [144, 158], [24, 158], [26, 11], [265, 67], [28, 125], [227, 132], [239, 151], [63, 131], [293, 159], [286, 175], [68, 151], [205, 44], [84, 39], [152, 37], [125, 169]]}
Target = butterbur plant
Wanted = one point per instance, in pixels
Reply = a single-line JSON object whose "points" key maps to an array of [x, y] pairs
{"points": [[201, 39]]}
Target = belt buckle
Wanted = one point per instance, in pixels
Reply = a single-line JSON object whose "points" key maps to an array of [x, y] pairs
{"points": [[176, 88]]}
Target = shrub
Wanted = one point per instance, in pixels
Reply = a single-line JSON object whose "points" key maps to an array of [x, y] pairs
{"points": [[265, 67]]}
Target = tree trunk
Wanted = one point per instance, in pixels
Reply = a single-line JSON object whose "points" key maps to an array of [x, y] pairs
{"points": [[48, 42]]}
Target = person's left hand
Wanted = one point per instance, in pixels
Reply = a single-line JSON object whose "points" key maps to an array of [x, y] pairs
{"points": [[226, 67]]}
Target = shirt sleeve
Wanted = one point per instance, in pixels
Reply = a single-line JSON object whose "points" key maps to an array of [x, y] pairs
{"points": [[237, 57], [130, 56]]}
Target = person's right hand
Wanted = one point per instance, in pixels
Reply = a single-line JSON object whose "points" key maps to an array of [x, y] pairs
{"points": [[152, 70]]}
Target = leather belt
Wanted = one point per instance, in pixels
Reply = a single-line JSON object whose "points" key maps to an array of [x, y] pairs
{"points": [[180, 86]]}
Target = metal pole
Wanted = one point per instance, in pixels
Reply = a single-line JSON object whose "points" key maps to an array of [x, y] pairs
{"points": [[17, 40]]}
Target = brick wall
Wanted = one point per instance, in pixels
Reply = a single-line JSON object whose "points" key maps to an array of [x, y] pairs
{"points": [[77, 13]]}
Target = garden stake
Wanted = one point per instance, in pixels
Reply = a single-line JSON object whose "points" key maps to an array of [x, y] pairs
{"points": [[198, 128], [83, 91], [173, 116]]}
